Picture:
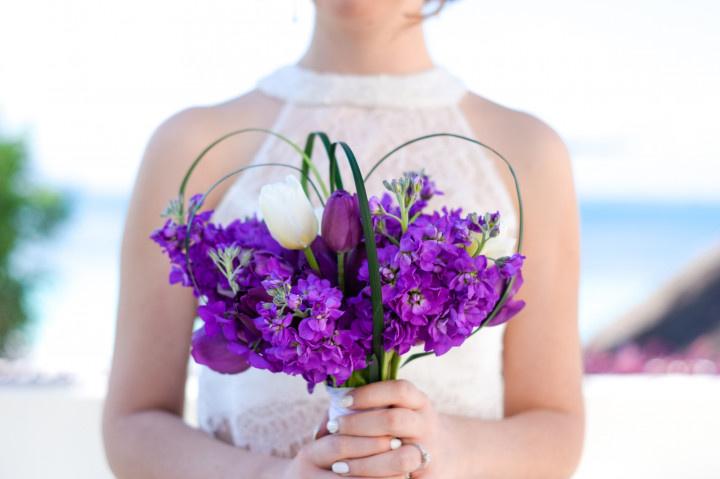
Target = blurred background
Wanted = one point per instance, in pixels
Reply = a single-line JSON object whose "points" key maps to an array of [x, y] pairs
{"points": [[630, 86]]}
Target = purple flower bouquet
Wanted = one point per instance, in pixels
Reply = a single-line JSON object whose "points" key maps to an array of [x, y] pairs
{"points": [[341, 300]]}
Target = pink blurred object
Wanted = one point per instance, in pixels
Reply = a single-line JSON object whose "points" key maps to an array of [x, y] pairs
{"points": [[701, 357]]}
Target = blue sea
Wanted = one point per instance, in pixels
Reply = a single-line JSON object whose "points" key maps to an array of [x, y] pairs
{"points": [[629, 249]]}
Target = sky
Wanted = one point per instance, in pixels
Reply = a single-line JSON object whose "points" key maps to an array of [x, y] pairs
{"points": [[630, 86]]}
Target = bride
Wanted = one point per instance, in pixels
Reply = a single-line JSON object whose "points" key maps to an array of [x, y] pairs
{"points": [[507, 404]]}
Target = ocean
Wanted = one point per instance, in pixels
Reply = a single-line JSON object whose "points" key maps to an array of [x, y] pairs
{"points": [[629, 250]]}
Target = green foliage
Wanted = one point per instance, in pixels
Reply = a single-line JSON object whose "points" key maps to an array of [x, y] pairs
{"points": [[28, 213]]}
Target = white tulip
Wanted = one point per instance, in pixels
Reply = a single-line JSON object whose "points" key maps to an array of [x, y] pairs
{"points": [[288, 213]]}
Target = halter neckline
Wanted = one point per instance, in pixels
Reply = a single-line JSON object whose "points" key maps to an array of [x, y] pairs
{"points": [[434, 87]]}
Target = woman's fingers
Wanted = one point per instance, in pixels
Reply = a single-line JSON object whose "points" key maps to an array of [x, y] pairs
{"points": [[332, 475], [322, 429], [399, 393], [394, 422], [399, 462], [331, 449]]}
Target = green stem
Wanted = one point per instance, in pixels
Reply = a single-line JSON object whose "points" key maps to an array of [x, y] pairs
{"points": [[391, 239], [403, 212], [483, 240], [390, 215], [341, 271], [311, 259], [386, 370], [356, 379], [394, 366]]}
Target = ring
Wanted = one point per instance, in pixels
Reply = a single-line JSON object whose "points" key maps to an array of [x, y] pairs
{"points": [[424, 457]]}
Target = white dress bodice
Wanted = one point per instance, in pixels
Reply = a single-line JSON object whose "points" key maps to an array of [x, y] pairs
{"points": [[273, 413]]}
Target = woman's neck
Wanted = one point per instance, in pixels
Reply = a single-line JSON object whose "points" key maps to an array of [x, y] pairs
{"points": [[383, 49]]}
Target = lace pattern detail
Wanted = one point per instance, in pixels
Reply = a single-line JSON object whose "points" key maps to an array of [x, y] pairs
{"points": [[273, 413], [430, 88]]}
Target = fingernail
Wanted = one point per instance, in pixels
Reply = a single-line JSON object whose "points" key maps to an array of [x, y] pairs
{"points": [[340, 467], [315, 432], [333, 426], [347, 401], [395, 443]]}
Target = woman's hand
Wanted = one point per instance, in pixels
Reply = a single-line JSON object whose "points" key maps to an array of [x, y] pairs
{"points": [[395, 409], [317, 459]]}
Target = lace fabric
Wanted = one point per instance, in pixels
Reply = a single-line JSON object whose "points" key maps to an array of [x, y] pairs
{"points": [[273, 413]]}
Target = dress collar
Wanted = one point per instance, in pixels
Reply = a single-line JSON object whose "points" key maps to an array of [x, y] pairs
{"points": [[434, 87]]}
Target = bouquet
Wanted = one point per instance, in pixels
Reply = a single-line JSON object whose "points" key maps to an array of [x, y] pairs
{"points": [[340, 299]]}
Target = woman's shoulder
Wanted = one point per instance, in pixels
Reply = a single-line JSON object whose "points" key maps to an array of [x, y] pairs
{"points": [[521, 136], [536, 151], [179, 138], [201, 124]]}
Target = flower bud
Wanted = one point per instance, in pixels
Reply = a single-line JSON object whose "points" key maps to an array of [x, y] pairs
{"points": [[341, 228], [288, 213]]}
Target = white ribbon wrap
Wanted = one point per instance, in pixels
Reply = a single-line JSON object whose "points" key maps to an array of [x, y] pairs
{"points": [[335, 409]]}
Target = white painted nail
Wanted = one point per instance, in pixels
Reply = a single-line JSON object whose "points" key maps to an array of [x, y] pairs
{"points": [[395, 443], [347, 401], [340, 467], [333, 426]]}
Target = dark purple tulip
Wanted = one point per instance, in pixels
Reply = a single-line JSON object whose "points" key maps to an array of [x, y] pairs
{"points": [[213, 352], [341, 228]]}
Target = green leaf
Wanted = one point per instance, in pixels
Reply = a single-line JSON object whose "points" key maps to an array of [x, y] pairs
{"points": [[415, 356], [521, 219], [377, 373], [306, 160], [334, 174], [305, 167]]}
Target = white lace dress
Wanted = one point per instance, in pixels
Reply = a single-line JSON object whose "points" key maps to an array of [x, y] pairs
{"points": [[273, 413]]}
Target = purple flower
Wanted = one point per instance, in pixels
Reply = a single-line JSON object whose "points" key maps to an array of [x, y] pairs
{"points": [[512, 306], [213, 352], [262, 306], [341, 228]]}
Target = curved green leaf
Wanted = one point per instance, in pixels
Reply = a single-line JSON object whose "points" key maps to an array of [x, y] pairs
{"points": [[521, 219], [206, 150], [415, 356], [334, 174], [377, 373]]}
